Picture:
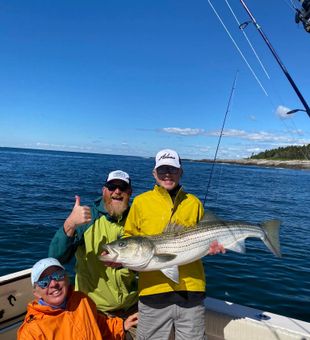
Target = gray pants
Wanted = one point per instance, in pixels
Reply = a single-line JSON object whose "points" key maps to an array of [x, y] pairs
{"points": [[175, 321]]}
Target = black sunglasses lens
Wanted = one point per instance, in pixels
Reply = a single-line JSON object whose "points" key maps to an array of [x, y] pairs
{"points": [[113, 187], [162, 170]]}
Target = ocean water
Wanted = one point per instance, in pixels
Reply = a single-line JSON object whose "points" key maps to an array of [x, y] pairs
{"points": [[37, 190]]}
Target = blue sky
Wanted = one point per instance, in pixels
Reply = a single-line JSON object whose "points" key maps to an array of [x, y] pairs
{"points": [[132, 77]]}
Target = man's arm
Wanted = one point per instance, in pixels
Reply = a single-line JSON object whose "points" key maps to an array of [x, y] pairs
{"points": [[70, 236], [63, 247]]}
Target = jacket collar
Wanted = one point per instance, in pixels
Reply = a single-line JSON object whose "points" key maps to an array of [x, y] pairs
{"points": [[177, 198]]}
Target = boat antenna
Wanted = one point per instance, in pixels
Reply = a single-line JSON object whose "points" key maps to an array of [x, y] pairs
{"points": [[220, 136], [290, 79]]}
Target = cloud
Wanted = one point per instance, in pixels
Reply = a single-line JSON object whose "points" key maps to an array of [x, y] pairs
{"points": [[269, 137], [282, 111], [235, 133], [260, 136], [255, 150], [236, 143], [183, 131], [62, 147], [96, 141], [298, 132]]}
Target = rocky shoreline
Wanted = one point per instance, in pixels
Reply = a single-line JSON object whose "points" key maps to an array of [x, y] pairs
{"points": [[292, 164]]}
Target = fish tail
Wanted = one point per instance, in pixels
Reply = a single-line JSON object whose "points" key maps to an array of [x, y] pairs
{"points": [[271, 239]]}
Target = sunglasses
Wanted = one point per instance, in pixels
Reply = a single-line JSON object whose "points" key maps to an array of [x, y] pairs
{"points": [[57, 276], [165, 169], [113, 186]]}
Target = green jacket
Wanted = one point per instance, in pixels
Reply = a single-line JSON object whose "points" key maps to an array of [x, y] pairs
{"points": [[110, 288]]}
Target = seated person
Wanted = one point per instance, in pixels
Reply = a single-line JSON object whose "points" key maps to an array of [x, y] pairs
{"points": [[58, 312]]}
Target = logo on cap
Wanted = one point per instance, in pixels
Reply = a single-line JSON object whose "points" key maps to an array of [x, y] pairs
{"points": [[118, 174], [167, 157]]}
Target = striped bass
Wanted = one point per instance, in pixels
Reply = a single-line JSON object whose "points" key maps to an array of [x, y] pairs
{"points": [[179, 245]]}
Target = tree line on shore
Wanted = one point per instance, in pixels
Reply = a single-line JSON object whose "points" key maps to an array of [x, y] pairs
{"points": [[285, 153]]}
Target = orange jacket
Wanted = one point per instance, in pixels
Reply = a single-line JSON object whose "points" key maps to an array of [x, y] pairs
{"points": [[80, 320]]}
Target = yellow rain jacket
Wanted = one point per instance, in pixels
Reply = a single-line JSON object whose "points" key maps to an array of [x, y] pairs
{"points": [[149, 215]]}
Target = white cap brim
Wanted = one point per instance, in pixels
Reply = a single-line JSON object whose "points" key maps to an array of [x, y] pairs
{"points": [[41, 266]]}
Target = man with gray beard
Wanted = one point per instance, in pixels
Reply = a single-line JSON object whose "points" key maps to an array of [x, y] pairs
{"points": [[113, 289]]}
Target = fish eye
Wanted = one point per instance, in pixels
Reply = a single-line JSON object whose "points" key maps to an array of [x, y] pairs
{"points": [[122, 243]]}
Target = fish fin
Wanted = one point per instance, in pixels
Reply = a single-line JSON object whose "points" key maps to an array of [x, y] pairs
{"points": [[172, 273], [173, 228], [271, 240], [163, 257], [238, 246]]}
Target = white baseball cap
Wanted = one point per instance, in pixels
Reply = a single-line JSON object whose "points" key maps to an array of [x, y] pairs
{"points": [[118, 174], [167, 157], [41, 265]]}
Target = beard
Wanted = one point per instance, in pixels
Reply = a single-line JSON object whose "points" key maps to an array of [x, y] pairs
{"points": [[116, 208]]}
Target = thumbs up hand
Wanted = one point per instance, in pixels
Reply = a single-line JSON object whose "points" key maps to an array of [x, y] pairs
{"points": [[80, 215], [77, 201]]}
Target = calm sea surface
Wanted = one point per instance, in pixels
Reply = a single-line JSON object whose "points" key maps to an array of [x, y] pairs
{"points": [[37, 191]]}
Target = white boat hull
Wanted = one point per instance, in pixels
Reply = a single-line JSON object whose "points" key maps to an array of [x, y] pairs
{"points": [[15, 293]]}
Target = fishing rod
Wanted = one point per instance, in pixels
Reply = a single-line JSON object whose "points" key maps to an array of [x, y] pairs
{"points": [[220, 137], [290, 79]]}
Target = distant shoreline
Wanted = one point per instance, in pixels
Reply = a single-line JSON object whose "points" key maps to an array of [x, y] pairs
{"points": [[291, 164]]}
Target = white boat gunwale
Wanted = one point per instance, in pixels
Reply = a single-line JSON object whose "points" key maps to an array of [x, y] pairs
{"points": [[224, 320]]}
